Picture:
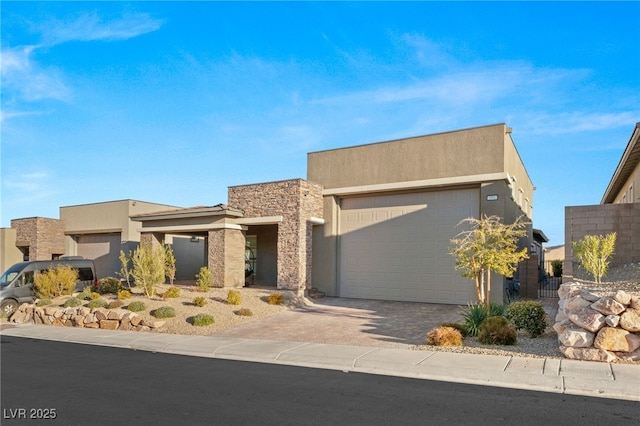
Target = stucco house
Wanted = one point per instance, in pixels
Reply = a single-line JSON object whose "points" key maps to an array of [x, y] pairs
{"points": [[369, 221], [618, 211]]}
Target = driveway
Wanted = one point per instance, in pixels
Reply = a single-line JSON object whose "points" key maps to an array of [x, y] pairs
{"points": [[351, 322]]}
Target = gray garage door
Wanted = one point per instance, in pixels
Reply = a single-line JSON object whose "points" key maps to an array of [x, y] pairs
{"points": [[395, 247], [104, 250]]}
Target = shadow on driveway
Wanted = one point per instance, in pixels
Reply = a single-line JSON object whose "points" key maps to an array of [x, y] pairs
{"points": [[351, 322]]}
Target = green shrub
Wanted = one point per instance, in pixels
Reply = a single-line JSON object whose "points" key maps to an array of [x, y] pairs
{"points": [[136, 306], [275, 299], [200, 301], [204, 279], [496, 330], [109, 285], [528, 315], [164, 312], [85, 294], [556, 267], [171, 293], [202, 320], [72, 302], [234, 297], [94, 295], [444, 336], [59, 281], [124, 295], [115, 304], [244, 312], [97, 303], [43, 302], [475, 314], [460, 327]]}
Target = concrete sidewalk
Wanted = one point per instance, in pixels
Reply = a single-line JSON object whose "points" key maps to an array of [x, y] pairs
{"points": [[619, 381]]}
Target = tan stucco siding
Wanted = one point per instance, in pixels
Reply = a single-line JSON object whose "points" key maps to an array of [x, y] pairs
{"points": [[630, 191], [521, 185], [460, 153]]}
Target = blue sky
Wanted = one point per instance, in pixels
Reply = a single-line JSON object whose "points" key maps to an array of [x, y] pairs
{"points": [[171, 102]]}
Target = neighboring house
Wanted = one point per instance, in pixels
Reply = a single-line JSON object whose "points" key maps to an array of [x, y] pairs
{"points": [[619, 211], [372, 221]]}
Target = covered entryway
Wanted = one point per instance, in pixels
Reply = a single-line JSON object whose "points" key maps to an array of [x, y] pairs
{"points": [[395, 247], [103, 249]]}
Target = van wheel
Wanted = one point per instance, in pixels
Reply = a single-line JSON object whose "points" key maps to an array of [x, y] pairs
{"points": [[8, 307]]}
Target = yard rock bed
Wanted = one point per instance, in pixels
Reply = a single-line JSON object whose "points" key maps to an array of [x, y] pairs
{"points": [[593, 327], [109, 319]]}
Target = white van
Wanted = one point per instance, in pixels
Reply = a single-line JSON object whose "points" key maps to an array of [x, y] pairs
{"points": [[16, 283]]}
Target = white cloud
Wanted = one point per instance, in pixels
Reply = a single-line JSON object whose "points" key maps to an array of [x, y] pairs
{"points": [[90, 26], [576, 122], [27, 79]]}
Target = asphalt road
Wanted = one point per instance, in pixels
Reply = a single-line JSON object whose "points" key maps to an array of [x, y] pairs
{"points": [[92, 385]]}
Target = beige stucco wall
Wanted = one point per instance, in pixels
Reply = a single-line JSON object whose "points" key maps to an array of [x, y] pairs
{"points": [[9, 253], [630, 192], [106, 217]]}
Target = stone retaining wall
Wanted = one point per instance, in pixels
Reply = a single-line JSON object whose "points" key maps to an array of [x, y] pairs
{"points": [[81, 316], [595, 328]]}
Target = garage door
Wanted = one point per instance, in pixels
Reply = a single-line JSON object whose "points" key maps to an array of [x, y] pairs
{"points": [[395, 247], [104, 250]]}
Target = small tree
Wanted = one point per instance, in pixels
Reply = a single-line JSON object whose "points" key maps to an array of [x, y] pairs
{"points": [[204, 279], [169, 263], [489, 245], [148, 267], [59, 281], [593, 252], [125, 272]]}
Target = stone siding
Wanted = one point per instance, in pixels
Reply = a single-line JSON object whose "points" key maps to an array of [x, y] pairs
{"points": [[297, 201], [43, 237], [226, 257], [623, 218]]}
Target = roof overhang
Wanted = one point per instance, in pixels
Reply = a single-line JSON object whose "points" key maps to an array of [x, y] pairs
{"points": [[629, 161]]}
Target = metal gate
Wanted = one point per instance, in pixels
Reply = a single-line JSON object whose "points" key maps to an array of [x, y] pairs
{"points": [[550, 279]]}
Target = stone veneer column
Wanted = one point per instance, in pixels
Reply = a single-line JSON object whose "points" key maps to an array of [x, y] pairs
{"points": [[225, 257], [297, 201], [43, 236], [155, 239]]}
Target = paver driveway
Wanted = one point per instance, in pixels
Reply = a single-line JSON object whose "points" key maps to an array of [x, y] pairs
{"points": [[351, 322]]}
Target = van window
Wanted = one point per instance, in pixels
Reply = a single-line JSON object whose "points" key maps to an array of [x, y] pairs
{"points": [[25, 279], [10, 274], [85, 274]]}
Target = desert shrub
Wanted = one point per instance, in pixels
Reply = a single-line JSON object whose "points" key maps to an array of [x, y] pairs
{"points": [[59, 281], [202, 320], [475, 314], [124, 295], [275, 299], [444, 336], [109, 285], [164, 312], [72, 302], [458, 326], [244, 312], [528, 315], [199, 301], [136, 306], [94, 295], [43, 302], [97, 303], [85, 294], [234, 297], [496, 330], [148, 267], [115, 304], [171, 293], [204, 279]]}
